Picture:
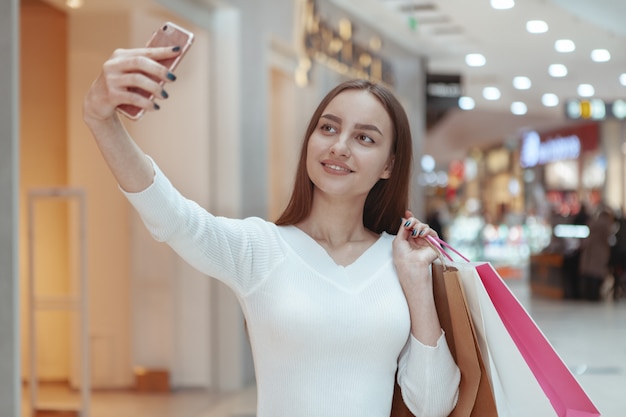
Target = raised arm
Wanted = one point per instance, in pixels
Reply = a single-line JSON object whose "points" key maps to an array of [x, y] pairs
{"points": [[125, 68]]}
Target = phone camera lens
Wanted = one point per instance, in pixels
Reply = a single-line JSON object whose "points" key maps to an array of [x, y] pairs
{"points": [[164, 27]]}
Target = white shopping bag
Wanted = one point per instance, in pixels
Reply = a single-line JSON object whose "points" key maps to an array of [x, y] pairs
{"points": [[517, 392]]}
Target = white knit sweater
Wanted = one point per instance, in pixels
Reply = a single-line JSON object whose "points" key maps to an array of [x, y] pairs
{"points": [[326, 339]]}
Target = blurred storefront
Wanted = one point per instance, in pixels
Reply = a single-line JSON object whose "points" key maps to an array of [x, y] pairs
{"points": [[508, 204]]}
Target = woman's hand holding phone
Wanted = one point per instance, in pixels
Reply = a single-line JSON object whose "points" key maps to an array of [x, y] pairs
{"points": [[132, 79], [129, 69]]}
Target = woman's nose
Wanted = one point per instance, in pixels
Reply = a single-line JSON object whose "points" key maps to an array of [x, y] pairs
{"points": [[340, 147]]}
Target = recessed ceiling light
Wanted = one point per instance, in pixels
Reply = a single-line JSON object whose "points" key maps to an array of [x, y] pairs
{"points": [[522, 83], [622, 79], [491, 93], [466, 103], [428, 163], [557, 70], [502, 4], [518, 108], [536, 26], [475, 60], [600, 55], [574, 109], [618, 109], [586, 90], [550, 100], [598, 109], [74, 4], [564, 45]]}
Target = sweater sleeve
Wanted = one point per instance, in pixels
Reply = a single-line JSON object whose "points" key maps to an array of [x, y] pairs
{"points": [[429, 378], [238, 252]]}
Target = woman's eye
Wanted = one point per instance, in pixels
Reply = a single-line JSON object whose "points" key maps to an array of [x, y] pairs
{"points": [[365, 138], [328, 128]]}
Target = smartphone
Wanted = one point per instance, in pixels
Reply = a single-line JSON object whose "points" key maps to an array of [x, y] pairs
{"points": [[169, 34]]}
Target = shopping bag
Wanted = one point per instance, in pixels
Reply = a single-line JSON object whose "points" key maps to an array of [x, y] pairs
{"points": [[516, 390], [514, 345], [560, 386], [475, 395]]}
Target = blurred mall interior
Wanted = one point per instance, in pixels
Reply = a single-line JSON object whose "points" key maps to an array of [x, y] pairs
{"points": [[518, 116]]}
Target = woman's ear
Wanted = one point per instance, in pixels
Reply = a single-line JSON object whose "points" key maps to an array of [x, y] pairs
{"points": [[388, 168]]}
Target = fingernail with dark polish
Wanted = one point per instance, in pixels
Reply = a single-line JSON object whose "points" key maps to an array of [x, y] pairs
{"points": [[164, 94], [422, 232], [156, 106], [414, 233], [407, 224], [171, 76], [176, 49]]}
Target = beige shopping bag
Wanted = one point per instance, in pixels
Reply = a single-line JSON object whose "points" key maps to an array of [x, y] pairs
{"points": [[475, 395]]}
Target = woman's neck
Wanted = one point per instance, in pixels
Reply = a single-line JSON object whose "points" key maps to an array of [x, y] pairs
{"points": [[336, 222]]}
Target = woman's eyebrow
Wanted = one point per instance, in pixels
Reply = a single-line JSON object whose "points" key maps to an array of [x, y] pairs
{"points": [[368, 127], [332, 117], [357, 126]]}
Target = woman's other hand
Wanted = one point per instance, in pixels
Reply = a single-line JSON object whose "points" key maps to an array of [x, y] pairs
{"points": [[410, 250]]}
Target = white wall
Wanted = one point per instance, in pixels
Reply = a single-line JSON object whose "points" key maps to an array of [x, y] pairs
{"points": [[92, 40]]}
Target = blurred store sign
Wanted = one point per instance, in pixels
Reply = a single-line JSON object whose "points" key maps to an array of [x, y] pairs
{"points": [[571, 231], [443, 92], [535, 152], [595, 109], [336, 48], [563, 144]]}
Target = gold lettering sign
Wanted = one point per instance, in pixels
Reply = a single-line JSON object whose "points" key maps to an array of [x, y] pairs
{"points": [[336, 49]]}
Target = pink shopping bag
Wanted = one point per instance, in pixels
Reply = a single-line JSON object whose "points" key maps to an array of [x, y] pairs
{"points": [[562, 389], [557, 382]]}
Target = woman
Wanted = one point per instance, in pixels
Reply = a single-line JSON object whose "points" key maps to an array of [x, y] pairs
{"points": [[335, 303]]}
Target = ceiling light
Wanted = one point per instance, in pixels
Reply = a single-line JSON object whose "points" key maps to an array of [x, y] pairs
{"points": [[622, 79], [564, 45], [618, 109], [518, 108], [502, 4], [466, 103], [536, 26], [557, 70], [598, 109], [428, 163], [491, 93], [550, 100], [586, 90], [74, 4], [574, 109], [522, 83], [600, 55], [475, 60]]}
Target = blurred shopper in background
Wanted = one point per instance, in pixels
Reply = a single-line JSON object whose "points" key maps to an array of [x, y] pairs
{"points": [[618, 256], [595, 254], [571, 258]]}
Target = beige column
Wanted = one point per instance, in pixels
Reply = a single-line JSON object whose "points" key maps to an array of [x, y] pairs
{"points": [[9, 285]]}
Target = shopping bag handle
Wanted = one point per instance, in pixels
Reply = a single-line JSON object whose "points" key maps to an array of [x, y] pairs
{"points": [[442, 246]]}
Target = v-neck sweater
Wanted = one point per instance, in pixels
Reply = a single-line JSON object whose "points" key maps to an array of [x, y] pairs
{"points": [[326, 339]]}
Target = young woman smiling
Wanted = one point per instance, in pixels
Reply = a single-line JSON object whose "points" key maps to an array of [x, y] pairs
{"points": [[337, 293]]}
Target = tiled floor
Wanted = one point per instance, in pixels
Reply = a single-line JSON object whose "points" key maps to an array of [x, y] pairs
{"points": [[590, 337]]}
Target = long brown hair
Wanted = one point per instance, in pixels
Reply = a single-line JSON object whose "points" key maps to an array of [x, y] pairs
{"points": [[388, 199]]}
